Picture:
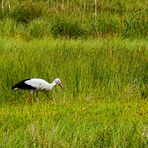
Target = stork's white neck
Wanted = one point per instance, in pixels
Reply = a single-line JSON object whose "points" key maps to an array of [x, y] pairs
{"points": [[53, 83]]}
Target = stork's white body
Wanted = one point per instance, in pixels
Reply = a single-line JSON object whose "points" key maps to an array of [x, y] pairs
{"points": [[37, 84], [40, 84]]}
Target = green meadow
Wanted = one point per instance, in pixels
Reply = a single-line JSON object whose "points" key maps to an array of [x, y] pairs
{"points": [[101, 60]]}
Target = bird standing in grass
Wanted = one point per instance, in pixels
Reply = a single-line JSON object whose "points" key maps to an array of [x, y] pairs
{"points": [[36, 84]]}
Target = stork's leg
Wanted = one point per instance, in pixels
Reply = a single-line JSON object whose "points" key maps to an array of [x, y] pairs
{"points": [[36, 96], [31, 92], [47, 95], [29, 95]]}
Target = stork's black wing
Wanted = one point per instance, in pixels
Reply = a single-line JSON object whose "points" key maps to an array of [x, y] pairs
{"points": [[23, 85]]}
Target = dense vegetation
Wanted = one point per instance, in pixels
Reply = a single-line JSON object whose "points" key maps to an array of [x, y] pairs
{"points": [[75, 18], [99, 51], [89, 68]]}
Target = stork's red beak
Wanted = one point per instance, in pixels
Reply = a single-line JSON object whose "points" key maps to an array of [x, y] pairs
{"points": [[61, 85]]}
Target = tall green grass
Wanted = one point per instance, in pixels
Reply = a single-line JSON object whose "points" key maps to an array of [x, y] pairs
{"points": [[89, 69]]}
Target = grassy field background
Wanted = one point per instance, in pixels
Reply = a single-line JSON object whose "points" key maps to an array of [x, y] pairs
{"points": [[98, 50], [104, 103]]}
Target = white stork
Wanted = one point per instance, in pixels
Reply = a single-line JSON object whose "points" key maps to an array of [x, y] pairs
{"points": [[36, 84]]}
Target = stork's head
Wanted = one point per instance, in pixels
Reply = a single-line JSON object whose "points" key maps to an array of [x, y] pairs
{"points": [[58, 81]]}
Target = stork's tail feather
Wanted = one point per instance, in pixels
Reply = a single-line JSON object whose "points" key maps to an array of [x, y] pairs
{"points": [[14, 87], [17, 85]]}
